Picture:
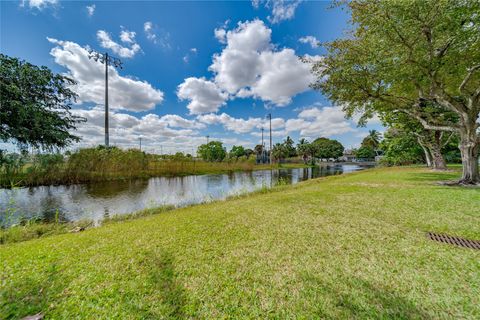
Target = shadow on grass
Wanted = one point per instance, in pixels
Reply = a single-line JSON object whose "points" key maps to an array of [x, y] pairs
{"points": [[163, 278], [355, 298], [433, 176], [31, 295]]}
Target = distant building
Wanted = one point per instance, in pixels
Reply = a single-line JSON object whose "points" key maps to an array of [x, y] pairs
{"points": [[348, 156], [263, 157]]}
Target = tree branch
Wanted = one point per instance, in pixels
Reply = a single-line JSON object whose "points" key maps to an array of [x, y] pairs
{"points": [[448, 139], [429, 126], [471, 71]]}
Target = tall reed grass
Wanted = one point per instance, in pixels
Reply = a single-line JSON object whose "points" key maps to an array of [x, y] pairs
{"points": [[100, 164]]}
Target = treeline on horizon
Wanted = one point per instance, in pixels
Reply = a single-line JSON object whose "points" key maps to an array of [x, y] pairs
{"points": [[102, 163]]}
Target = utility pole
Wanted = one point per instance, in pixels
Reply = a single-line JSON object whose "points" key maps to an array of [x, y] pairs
{"points": [[262, 139], [107, 60], [208, 137], [140, 144], [270, 118]]}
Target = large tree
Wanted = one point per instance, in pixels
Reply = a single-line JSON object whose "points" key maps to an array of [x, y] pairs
{"points": [[212, 151], [432, 142], [421, 58], [400, 147], [35, 105], [325, 148], [237, 152]]}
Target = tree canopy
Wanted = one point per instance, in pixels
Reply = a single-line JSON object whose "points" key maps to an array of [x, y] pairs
{"points": [[421, 58], [237, 152], [212, 151], [325, 148], [35, 105]]}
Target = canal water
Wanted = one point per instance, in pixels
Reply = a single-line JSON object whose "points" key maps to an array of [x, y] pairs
{"points": [[97, 201]]}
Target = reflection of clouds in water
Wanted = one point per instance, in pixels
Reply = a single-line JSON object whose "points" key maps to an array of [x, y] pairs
{"points": [[95, 201]]}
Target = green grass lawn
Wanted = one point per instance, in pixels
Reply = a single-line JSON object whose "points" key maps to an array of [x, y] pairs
{"points": [[350, 246]]}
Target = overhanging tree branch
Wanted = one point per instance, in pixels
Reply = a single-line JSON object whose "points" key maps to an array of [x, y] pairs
{"points": [[471, 71], [429, 126]]}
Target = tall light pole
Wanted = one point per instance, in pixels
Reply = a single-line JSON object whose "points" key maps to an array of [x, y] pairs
{"points": [[270, 118], [107, 60], [262, 139]]}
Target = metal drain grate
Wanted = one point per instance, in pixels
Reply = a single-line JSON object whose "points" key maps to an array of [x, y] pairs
{"points": [[472, 244]]}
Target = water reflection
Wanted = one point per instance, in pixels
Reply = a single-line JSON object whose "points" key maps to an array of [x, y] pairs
{"points": [[99, 200]]}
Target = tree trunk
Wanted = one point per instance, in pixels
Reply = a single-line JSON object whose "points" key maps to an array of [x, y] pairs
{"points": [[428, 157], [469, 147], [438, 161]]}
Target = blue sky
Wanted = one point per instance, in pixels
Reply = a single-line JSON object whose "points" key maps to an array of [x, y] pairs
{"points": [[191, 69]]}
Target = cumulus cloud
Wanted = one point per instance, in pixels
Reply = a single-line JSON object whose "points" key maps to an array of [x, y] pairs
{"points": [[317, 122], [125, 93], [220, 35], [283, 10], [239, 125], [168, 133], [38, 4], [91, 10], [126, 129], [280, 9], [127, 37], [204, 95], [311, 40], [249, 66]]}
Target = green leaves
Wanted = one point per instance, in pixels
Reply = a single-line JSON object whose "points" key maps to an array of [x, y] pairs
{"points": [[35, 105], [212, 151]]}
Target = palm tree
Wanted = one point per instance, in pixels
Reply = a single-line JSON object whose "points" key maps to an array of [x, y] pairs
{"points": [[303, 149], [372, 140]]}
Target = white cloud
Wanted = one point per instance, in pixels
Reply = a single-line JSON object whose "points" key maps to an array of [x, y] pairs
{"points": [[148, 28], [275, 133], [317, 122], [39, 4], [156, 35], [176, 121], [124, 92], [281, 9], [91, 10], [125, 36], [126, 129], [204, 95], [230, 123], [168, 134], [283, 76], [311, 40], [249, 66], [239, 125], [191, 52], [220, 35]]}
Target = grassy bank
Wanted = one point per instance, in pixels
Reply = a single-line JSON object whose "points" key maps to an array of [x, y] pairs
{"points": [[100, 164], [350, 246]]}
